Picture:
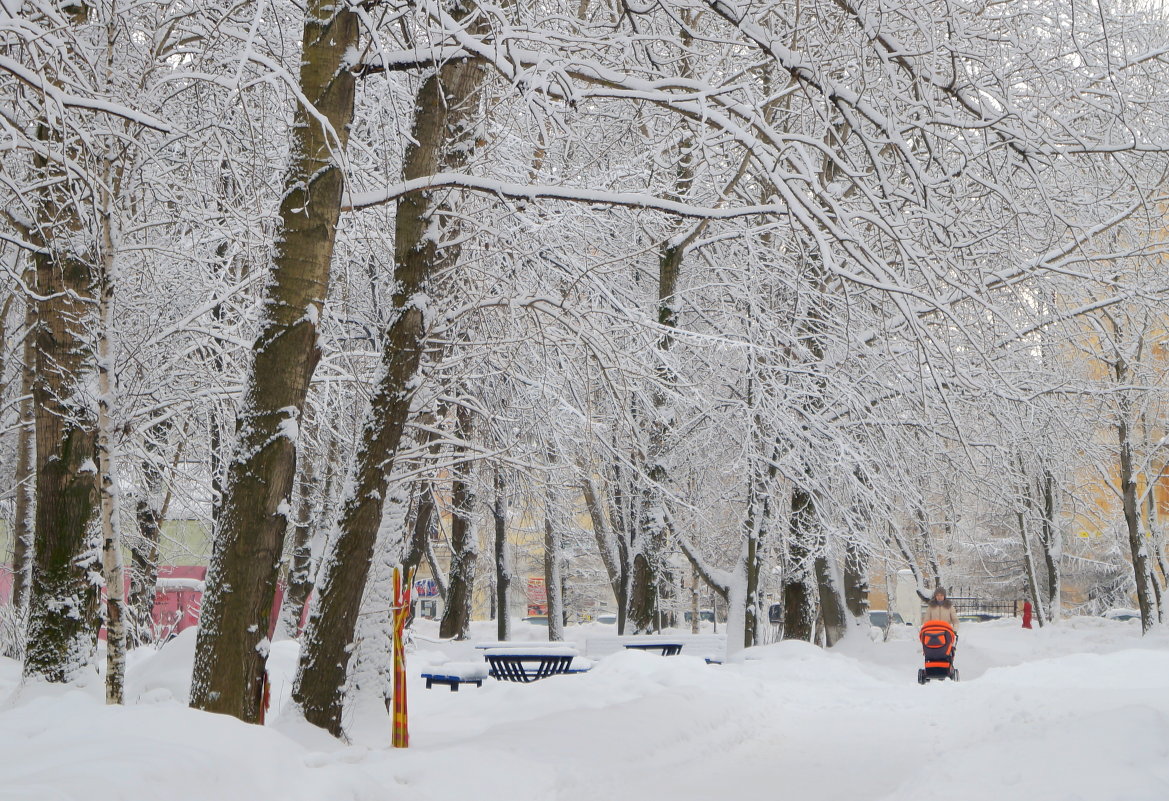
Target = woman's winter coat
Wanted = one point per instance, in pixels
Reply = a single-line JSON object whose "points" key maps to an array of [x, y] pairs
{"points": [[942, 611]]}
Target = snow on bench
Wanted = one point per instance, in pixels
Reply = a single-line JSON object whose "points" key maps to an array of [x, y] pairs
{"points": [[531, 649], [525, 645], [453, 674], [702, 645]]}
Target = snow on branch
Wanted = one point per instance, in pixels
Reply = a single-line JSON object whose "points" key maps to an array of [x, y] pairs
{"points": [[68, 100], [638, 200]]}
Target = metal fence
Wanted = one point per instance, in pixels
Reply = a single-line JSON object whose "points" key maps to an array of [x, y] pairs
{"points": [[987, 609]]}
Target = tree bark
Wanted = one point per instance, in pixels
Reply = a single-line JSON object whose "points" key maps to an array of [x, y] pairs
{"points": [[445, 110], [22, 539], [1023, 506], [502, 563], [144, 571], [798, 603], [231, 650], [113, 566], [150, 512], [62, 624], [1052, 547], [456, 618], [757, 527], [856, 582], [420, 528], [1128, 493], [833, 611], [553, 576], [300, 582]]}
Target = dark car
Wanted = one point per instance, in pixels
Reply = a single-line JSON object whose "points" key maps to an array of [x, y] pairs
{"points": [[882, 619]]}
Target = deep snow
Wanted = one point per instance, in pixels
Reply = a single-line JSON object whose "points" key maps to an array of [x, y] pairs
{"points": [[1075, 711]]}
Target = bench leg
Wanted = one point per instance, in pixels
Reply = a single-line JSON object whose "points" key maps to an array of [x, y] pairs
{"points": [[454, 686], [428, 684]]}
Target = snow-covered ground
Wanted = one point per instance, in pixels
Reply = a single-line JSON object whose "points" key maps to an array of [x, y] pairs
{"points": [[1076, 711]]}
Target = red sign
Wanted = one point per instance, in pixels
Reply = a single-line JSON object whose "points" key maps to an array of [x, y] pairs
{"points": [[537, 597]]}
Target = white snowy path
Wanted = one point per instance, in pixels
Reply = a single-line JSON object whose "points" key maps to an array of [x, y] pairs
{"points": [[1077, 711]]}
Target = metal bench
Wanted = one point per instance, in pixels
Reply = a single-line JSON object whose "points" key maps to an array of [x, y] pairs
{"points": [[454, 674], [664, 648]]}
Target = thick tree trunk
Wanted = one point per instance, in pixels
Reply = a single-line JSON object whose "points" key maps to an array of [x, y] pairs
{"points": [[643, 593], [446, 107], [758, 520], [833, 611], [623, 515], [753, 600], [502, 563], [456, 618], [798, 603], [231, 650], [62, 624]]}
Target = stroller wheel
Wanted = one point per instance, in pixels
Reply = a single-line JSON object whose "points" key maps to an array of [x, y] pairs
{"points": [[953, 674], [921, 679]]}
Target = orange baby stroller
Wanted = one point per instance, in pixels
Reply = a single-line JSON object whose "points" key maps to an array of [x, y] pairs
{"points": [[938, 640]]}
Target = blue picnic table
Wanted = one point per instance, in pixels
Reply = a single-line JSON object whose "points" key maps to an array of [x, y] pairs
{"points": [[528, 662]]}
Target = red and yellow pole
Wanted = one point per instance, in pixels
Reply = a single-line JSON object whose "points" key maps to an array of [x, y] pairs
{"points": [[401, 613]]}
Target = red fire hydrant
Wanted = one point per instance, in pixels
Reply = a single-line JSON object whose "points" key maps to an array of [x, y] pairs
{"points": [[1026, 614]]}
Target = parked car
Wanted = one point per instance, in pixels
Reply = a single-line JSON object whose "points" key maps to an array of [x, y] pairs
{"points": [[883, 620], [607, 617], [1120, 613]]}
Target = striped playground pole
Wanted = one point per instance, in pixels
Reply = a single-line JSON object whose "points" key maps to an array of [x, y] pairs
{"points": [[401, 612]]}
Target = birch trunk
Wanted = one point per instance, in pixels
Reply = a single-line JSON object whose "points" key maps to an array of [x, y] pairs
{"points": [[113, 566], [231, 650], [22, 535]]}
